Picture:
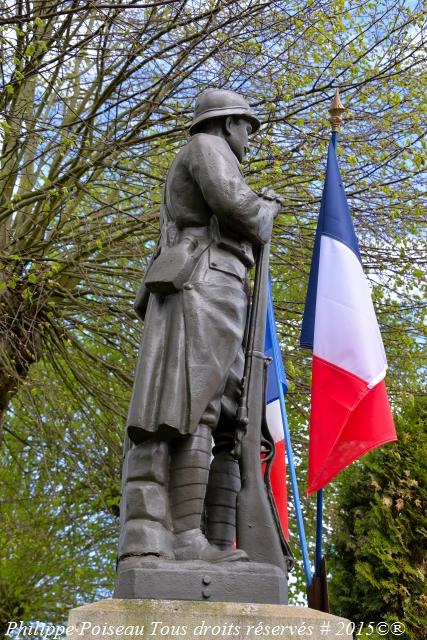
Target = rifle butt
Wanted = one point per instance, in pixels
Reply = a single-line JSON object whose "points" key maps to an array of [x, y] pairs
{"points": [[256, 530]]}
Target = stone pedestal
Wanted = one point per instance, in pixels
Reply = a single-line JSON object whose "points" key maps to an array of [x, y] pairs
{"points": [[209, 620], [142, 578]]}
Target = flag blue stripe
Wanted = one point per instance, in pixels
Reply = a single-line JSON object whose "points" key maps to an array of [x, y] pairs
{"points": [[307, 329], [337, 222], [334, 221], [272, 390]]}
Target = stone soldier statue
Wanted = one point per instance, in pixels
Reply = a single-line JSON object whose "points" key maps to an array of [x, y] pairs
{"points": [[190, 364]]}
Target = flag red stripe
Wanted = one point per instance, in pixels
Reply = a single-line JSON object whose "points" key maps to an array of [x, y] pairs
{"points": [[278, 484], [347, 420]]}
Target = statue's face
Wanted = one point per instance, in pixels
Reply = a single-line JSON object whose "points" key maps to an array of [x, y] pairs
{"points": [[238, 131]]}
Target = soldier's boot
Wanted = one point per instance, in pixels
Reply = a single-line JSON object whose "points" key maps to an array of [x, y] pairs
{"points": [[221, 498], [146, 528], [189, 472]]}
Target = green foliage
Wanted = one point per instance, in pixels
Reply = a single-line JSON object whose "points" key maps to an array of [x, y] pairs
{"points": [[94, 104], [54, 541], [377, 551], [60, 483]]}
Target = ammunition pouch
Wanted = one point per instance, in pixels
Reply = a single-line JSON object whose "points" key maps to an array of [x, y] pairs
{"points": [[173, 266], [177, 254], [242, 250]]}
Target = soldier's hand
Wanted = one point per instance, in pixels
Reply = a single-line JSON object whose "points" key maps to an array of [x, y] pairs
{"points": [[269, 194], [274, 198]]}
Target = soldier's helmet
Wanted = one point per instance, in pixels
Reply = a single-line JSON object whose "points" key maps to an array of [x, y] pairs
{"points": [[214, 103]]}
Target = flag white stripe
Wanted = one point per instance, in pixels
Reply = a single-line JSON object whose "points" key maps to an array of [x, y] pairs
{"points": [[274, 420], [346, 331]]}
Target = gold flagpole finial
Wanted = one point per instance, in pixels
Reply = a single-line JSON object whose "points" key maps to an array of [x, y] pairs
{"points": [[336, 110]]}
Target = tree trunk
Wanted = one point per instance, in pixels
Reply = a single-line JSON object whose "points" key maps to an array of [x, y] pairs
{"points": [[20, 343]]}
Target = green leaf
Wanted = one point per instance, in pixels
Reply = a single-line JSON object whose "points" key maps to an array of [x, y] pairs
{"points": [[30, 49], [27, 294]]}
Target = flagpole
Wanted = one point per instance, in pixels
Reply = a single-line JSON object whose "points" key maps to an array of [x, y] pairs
{"points": [[277, 360], [336, 110]]}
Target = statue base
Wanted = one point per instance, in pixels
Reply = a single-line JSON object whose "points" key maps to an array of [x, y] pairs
{"points": [[209, 620], [144, 578]]}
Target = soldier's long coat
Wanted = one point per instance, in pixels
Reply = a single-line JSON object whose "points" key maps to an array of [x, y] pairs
{"points": [[192, 338]]}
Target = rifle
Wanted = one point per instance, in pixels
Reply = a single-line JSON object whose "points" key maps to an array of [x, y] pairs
{"points": [[258, 526]]}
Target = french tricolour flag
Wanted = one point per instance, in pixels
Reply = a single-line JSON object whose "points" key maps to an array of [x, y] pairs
{"points": [[350, 413], [276, 375]]}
